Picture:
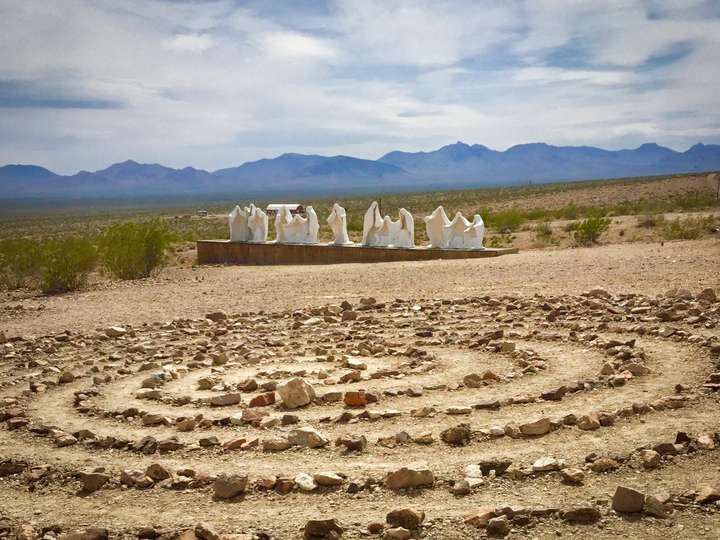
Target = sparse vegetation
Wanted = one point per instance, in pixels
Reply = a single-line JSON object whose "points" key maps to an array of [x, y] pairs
{"points": [[66, 264], [19, 263], [689, 228], [135, 250], [589, 231]]}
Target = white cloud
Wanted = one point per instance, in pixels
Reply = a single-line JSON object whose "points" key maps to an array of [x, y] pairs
{"points": [[215, 83], [188, 43]]}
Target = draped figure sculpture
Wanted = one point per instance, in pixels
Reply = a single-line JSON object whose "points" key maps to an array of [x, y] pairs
{"points": [[238, 220], [248, 224], [435, 225], [338, 223], [296, 229], [384, 232], [258, 224], [456, 234]]}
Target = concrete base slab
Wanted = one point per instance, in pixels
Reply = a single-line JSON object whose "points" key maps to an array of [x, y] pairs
{"points": [[226, 252]]}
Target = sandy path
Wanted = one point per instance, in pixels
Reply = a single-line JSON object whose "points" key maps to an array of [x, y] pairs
{"points": [[640, 268]]}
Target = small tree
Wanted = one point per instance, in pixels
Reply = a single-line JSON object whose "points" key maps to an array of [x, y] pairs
{"points": [[589, 230], [135, 250], [66, 264]]}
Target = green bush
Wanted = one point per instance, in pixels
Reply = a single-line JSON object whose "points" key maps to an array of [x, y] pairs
{"points": [[20, 263], [66, 264], [135, 250], [505, 221], [589, 230], [686, 229]]}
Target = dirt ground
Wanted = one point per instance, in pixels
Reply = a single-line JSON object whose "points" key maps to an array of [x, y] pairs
{"points": [[492, 344]]}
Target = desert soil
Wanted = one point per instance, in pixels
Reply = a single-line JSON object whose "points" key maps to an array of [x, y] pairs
{"points": [[123, 406]]}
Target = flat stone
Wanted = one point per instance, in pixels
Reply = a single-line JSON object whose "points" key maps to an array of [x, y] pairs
{"points": [[628, 500]]}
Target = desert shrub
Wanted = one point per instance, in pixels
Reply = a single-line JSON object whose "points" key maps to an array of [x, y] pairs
{"points": [[66, 264], [686, 229], [500, 240], [650, 221], [589, 230], [505, 221], [20, 263], [135, 250]]}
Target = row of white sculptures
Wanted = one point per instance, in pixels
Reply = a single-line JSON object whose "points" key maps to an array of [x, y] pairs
{"points": [[250, 224]]}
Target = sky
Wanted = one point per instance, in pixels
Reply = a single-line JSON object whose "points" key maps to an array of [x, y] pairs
{"points": [[214, 83]]}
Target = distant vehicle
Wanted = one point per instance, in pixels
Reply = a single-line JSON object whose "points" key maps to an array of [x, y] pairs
{"points": [[202, 213], [273, 209]]}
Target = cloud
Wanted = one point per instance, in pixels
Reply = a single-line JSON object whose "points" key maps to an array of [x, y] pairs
{"points": [[212, 83], [188, 43]]}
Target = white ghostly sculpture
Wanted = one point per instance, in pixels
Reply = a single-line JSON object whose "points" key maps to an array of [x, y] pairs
{"points": [[238, 219], [474, 235], [455, 231], [338, 223], [435, 224], [296, 229], [248, 224], [384, 232], [456, 234], [258, 224]]}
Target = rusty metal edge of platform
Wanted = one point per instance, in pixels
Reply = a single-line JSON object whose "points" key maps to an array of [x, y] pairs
{"points": [[267, 254]]}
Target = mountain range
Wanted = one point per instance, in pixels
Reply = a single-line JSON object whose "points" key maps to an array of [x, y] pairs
{"points": [[452, 166]]}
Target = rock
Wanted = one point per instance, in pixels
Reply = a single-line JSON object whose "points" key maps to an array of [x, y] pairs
{"points": [[307, 437], [356, 398], [262, 400], [92, 481], [115, 331], [480, 517], [322, 528], [589, 422], [216, 316], [707, 296], [498, 526], [409, 477], [408, 518], [398, 533], [598, 292], [628, 500], [536, 428], [545, 464], [92, 533], [376, 527], [457, 410], [655, 507], [275, 444], [227, 486], [11, 466], [473, 380], [458, 435], [224, 400], [461, 488], [352, 443], [295, 393], [157, 472], [572, 476], [328, 479], [581, 514], [204, 532], [66, 377], [650, 459], [708, 494], [499, 465], [305, 482], [604, 464]]}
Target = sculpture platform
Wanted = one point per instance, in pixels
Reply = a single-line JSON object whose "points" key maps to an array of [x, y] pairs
{"points": [[226, 252]]}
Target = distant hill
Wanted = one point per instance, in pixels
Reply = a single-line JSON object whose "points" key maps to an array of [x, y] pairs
{"points": [[454, 165]]}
